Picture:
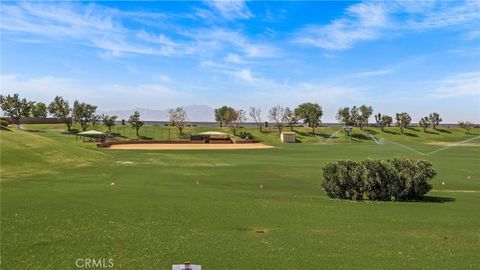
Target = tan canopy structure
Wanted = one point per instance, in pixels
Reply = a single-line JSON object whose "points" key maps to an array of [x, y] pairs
{"points": [[92, 135]]}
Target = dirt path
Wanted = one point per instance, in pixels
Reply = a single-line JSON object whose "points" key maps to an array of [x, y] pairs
{"points": [[206, 146]]}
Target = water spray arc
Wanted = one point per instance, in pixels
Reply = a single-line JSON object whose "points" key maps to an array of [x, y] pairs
{"points": [[382, 141]]}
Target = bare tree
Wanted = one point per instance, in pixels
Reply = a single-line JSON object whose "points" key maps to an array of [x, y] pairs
{"points": [[291, 118], [235, 120], [466, 125], [255, 115], [178, 118], [277, 115]]}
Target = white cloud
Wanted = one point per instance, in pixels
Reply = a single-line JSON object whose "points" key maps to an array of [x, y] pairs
{"points": [[362, 22], [105, 28], [437, 16], [231, 9], [233, 58], [212, 40], [162, 78], [379, 19], [90, 25], [373, 73], [458, 85]]}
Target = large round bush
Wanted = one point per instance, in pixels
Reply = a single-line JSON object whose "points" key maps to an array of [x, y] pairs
{"points": [[395, 179]]}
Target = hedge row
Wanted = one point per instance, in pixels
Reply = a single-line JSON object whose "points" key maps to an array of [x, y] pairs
{"points": [[397, 179]]}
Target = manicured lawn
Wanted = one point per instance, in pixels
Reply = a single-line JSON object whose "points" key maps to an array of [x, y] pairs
{"points": [[58, 204]]}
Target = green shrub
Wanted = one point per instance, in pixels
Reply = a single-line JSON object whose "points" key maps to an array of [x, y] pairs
{"points": [[4, 123], [245, 135], [396, 179]]}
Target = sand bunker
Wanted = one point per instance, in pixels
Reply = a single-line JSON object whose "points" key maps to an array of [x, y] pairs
{"points": [[203, 146]]}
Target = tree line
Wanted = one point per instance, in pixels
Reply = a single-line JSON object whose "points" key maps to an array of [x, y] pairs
{"points": [[309, 114]]}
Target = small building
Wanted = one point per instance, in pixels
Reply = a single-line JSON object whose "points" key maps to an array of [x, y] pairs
{"points": [[288, 137]]}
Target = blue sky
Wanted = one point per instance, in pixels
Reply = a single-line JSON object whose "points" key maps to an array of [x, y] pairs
{"points": [[413, 56]]}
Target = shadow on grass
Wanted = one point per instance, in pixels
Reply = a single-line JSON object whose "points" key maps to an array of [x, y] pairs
{"points": [[432, 199], [309, 134], [72, 131], [391, 132], [443, 130], [145, 138], [410, 134], [34, 130], [115, 135], [431, 132], [371, 131], [414, 129], [5, 128], [361, 137]]}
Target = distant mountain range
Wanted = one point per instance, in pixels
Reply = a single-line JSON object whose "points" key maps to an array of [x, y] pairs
{"points": [[195, 113]]}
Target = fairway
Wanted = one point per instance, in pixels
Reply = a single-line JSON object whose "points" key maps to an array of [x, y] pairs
{"points": [[62, 200]]}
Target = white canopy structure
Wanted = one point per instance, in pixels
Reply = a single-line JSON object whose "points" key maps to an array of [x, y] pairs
{"points": [[91, 133], [97, 135]]}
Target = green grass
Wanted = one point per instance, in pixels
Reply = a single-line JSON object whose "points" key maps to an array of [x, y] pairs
{"points": [[57, 205]]}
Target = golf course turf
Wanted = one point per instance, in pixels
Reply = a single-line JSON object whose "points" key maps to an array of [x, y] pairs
{"points": [[147, 209]]}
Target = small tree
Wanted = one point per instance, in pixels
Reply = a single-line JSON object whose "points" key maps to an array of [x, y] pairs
{"points": [[343, 116], [434, 119], [15, 108], [365, 113], [310, 113], [134, 121], [277, 115], [39, 109], [96, 119], [355, 116], [59, 109], [388, 120], [235, 120], [403, 120], [255, 114], [221, 115], [466, 125], [424, 123], [379, 120], [84, 114], [291, 119], [109, 121], [178, 118]]}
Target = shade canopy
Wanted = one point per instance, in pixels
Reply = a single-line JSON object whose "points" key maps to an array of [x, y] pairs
{"points": [[91, 133]]}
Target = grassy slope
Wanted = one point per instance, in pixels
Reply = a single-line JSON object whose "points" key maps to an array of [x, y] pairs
{"points": [[57, 205]]}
